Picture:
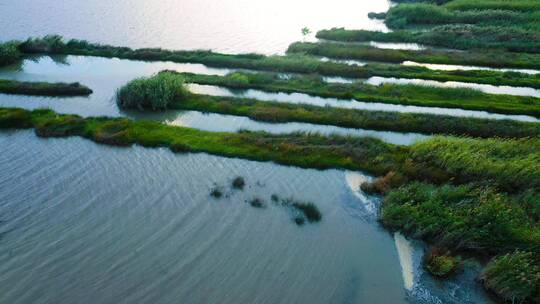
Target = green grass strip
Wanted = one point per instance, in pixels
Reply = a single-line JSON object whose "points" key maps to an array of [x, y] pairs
{"points": [[494, 59], [288, 64], [302, 150], [278, 112], [43, 88], [417, 95]]}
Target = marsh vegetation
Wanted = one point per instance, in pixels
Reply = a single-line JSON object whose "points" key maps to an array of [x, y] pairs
{"points": [[43, 88]]}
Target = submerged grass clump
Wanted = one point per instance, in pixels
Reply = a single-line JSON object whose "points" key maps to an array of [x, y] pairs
{"points": [[216, 192], [155, 93], [309, 210], [302, 211], [238, 183], [257, 203]]}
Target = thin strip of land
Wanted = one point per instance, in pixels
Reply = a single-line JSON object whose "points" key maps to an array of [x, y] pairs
{"points": [[43, 88], [493, 59], [302, 150], [278, 112], [417, 95], [280, 64], [510, 164]]}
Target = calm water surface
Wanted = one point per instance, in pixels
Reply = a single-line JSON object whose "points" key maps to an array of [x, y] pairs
{"points": [[84, 223], [232, 26]]}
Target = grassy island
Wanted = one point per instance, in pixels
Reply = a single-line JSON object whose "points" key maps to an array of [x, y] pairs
{"points": [[43, 88]]}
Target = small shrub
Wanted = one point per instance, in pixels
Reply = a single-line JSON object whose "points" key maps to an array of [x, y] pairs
{"points": [[9, 53], [274, 198], [440, 263], [156, 93], [238, 183]]}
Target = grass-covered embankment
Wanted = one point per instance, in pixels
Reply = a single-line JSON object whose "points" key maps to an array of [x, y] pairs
{"points": [[463, 37], [514, 277], [151, 94], [501, 26], [43, 88], [511, 165], [288, 64], [494, 59], [478, 196], [302, 150], [478, 219], [277, 112], [416, 95]]}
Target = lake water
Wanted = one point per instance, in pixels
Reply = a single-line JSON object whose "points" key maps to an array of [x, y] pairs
{"points": [[87, 223], [231, 26]]}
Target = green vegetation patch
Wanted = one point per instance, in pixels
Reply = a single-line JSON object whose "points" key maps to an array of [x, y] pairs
{"points": [[512, 165], [455, 36], [15, 118], [478, 219], [494, 59], [297, 149], [385, 93], [9, 53], [276, 112], [441, 263], [43, 88], [514, 277], [290, 64], [156, 92]]}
